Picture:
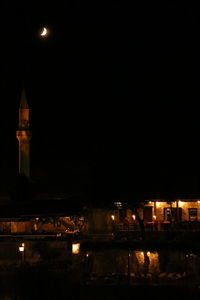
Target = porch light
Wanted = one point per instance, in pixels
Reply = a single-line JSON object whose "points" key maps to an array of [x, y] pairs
{"points": [[113, 217], [21, 248]]}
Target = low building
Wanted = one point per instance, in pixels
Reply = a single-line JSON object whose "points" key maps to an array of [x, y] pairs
{"points": [[159, 214], [179, 210]]}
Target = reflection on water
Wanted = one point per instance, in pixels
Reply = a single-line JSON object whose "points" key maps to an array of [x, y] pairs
{"points": [[52, 265], [145, 262], [160, 267], [138, 263]]}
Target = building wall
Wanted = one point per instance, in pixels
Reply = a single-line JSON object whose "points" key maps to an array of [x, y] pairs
{"points": [[21, 226], [5, 227], [99, 221], [62, 224], [158, 209]]}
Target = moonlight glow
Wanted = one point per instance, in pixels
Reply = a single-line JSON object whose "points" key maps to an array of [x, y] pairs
{"points": [[44, 32]]}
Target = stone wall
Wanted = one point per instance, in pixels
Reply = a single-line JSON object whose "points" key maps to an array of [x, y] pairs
{"points": [[99, 221]]}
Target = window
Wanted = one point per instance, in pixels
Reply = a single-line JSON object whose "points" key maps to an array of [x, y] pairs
{"points": [[167, 214], [192, 214], [172, 214]]}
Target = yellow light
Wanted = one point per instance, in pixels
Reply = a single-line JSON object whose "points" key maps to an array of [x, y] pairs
{"points": [[112, 217], [148, 253], [154, 217], [133, 216], [158, 203], [75, 248], [180, 203], [198, 201], [149, 202], [21, 249], [142, 253]]}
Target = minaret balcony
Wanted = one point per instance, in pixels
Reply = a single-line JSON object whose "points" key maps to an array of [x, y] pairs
{"points": [[24, 135]]}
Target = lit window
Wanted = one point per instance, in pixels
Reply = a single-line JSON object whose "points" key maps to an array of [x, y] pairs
{"points": [[192, 214]]}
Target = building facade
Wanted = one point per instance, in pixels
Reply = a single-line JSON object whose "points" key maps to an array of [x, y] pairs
{"points": [[159, 215]]}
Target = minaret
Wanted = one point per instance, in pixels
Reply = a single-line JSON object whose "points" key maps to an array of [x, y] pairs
{"points": [[24, 136]]}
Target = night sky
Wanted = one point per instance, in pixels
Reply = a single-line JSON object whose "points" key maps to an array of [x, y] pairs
{"points": [[113, 93]]}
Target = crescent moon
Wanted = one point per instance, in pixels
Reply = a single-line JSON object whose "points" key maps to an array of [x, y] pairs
{"points": [[44, 32]]}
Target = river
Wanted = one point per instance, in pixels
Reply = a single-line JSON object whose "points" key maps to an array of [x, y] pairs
{"points": [[49, 270]]}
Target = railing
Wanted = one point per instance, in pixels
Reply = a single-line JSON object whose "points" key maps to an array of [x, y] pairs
{"points": [[160, 226], [130, 227]]}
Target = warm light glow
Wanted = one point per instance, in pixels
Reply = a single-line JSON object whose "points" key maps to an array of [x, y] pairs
{"points": [[113, 217], [198, 201], [180, 203], [149, 202], [133, 216], [140, 257], [87, 254], [154, 266], [75, 248], [44, 31], [154, 217], [158, 203], [21, 248]]}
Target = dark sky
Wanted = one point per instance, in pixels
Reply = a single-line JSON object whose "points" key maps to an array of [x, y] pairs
{"points": [[113, 93]]}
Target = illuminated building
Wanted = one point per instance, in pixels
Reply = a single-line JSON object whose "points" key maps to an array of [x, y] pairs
{"points": [[100, 220], [159, 214]]}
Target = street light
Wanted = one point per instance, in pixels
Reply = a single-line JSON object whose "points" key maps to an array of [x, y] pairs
{"points": [[22, 249], [75, 248]]}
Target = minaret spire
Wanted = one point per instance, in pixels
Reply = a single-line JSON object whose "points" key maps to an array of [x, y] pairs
{"points": [[24, 136], [23, 101]]}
